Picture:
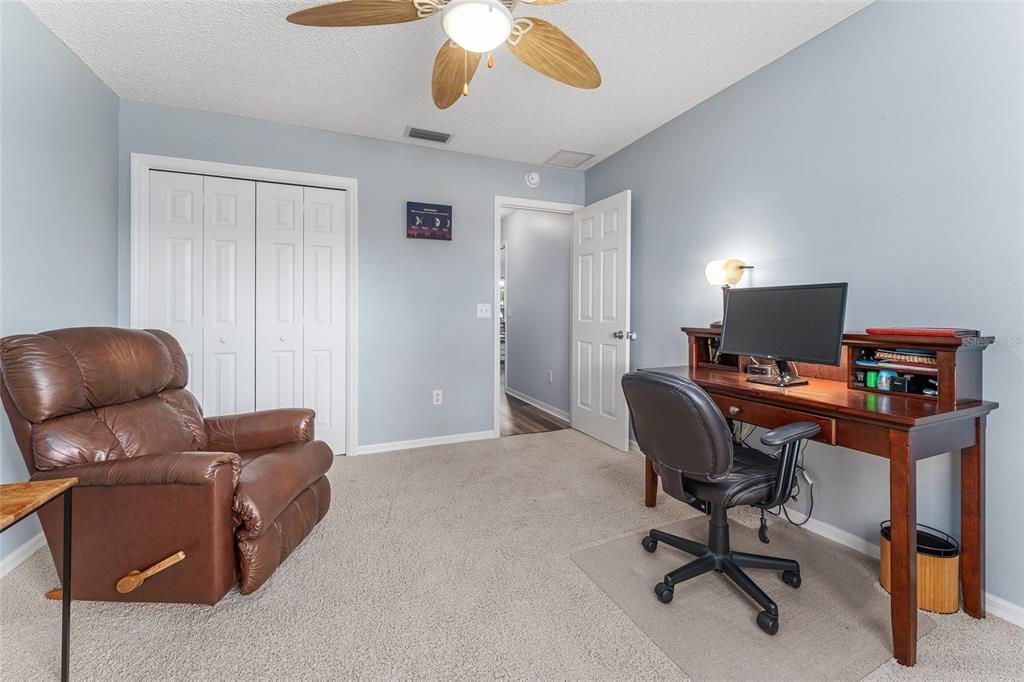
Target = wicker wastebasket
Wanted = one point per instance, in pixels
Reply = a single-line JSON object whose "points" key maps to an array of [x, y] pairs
{"points": [[938, 568]]}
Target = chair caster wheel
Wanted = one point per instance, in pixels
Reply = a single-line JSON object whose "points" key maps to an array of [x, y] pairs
{"points": [[649, 543], [791, 578], [664, 592], [768, 622]]}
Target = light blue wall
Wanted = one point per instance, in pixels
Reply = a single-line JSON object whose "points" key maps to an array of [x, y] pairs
{"points": [[886, 152], [537, 304], [418, 328], [58, 259]]}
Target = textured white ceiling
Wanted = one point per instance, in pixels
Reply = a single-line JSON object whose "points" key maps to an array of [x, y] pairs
{"points": [[658, 58]]}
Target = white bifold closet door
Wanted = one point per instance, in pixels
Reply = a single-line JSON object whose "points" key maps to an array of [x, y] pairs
{"points": [[300, 303], [202, 250], [250, 277], [229, 275], [174, 267], [278, 296], [324, 312]]}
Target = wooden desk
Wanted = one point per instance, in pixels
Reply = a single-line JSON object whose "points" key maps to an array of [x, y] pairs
{"points": [[902, 429], [18, 500]]}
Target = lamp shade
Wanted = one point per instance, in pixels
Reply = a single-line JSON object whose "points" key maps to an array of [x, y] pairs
{"points": [[477, 25], [722, 273]]}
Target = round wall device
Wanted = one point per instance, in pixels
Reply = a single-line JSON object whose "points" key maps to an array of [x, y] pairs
{"points": [[533, 179]]}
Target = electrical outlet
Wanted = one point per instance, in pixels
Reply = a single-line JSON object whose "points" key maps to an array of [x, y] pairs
{"points": [[483, 310], [438, 396], [551, 377]]}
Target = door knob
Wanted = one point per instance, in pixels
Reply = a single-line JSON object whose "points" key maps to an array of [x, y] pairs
{"points": [[283, 339], [223, 340], [625, 335]]}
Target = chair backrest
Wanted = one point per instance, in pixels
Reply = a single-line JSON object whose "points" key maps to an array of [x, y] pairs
{"points": [[678, 427], [92, 394]]}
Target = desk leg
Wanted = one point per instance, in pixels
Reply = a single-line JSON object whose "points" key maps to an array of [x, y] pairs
{"points": [[903, 558], [972, 522], [650, 484], [65, 617]]}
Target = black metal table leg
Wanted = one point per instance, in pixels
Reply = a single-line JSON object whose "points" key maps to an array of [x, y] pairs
{"points": [[65, 618]]}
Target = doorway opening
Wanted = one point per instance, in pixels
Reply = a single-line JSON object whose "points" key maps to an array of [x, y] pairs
{"points": [[532, 345]]}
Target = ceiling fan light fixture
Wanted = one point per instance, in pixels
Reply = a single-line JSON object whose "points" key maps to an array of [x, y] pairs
{"points": [[477, 25]]}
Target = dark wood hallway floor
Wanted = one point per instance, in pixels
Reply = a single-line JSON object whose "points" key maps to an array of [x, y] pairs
{"points": [[519, 417]]}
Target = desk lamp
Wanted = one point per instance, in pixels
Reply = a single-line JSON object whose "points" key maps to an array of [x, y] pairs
{"points": [[725, 273]]}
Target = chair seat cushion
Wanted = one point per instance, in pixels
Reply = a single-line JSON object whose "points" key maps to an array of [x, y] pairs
{"points": [[750, 481], [271, 479]]}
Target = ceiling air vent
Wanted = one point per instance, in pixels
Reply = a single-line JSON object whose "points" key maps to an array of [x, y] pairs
{"points": [[428, 135], [568, 159]]}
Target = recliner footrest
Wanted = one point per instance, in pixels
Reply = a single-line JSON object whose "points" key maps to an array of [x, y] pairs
{"points": [[260, 556]]}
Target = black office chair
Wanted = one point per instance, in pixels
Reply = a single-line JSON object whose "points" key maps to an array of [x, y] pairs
{"points": [[683, 433]]}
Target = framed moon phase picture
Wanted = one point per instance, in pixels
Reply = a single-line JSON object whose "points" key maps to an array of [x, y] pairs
{"points": [[428, 221]]}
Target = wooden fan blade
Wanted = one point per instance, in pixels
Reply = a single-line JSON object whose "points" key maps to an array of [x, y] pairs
{"points": [[357, 13], [453, 68], [548, 50]]}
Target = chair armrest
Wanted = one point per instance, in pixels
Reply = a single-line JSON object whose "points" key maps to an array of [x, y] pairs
{"points": [[258, 430], [789, 437], [182, 468], [789, 433]]}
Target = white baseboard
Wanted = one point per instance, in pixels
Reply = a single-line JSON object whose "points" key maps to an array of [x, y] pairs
{"points": [[994, 606], [1007, 610], [424, 442], [550, 409], [835, 534], [27, 549]]}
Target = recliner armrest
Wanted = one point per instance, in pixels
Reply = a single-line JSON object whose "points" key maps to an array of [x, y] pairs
{"points": [[258, 430], [182, 468], [789, 433]]}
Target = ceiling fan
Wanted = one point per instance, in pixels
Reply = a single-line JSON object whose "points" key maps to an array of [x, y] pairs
{"points": [[474, 28]]}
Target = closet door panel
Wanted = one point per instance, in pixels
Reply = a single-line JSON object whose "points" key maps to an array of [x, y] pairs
{"points": [[279, 295], [324, 308], [175, 265], [229, 295]]}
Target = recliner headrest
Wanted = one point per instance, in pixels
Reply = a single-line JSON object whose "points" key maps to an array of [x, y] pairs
{"points": [[65, 371]]}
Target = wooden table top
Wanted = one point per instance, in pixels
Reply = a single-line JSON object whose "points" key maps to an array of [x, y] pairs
{"points": [[18, 500], [832, 398]]}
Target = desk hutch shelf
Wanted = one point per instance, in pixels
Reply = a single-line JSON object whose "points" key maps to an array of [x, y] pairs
{"points": [[943, 369]]}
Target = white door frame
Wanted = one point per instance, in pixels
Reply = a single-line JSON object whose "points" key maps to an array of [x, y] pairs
{"points": [[141, 164], [502, 247], [501, 202]]}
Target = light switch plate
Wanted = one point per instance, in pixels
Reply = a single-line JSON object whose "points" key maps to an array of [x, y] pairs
{"points": [[483, 310]]}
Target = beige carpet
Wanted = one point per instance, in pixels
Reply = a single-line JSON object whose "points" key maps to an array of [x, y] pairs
{"points": [[709, 628], [448, 562]]}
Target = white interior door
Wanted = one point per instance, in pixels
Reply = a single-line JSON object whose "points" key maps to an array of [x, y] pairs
{"points": [[324, 313], [279, 283], [229, 295], [175, 265], [600, 319]]}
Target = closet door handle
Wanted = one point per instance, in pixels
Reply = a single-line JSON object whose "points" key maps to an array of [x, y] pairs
{"points": [[223, 340]]}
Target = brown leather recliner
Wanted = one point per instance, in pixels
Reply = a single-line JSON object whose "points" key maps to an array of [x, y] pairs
{"points": [[236, 494]]}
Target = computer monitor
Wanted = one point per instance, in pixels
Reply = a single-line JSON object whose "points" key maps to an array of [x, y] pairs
{"points": [[802, 323]]}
